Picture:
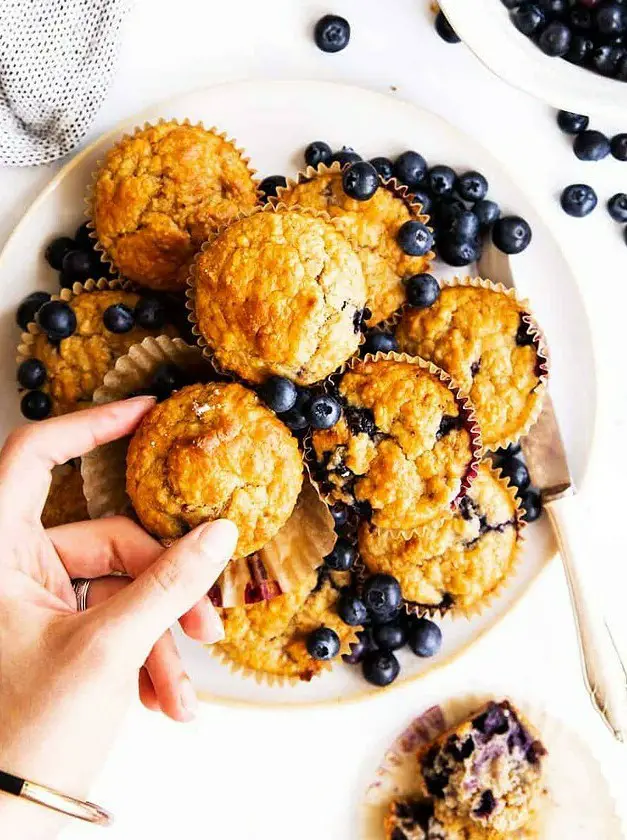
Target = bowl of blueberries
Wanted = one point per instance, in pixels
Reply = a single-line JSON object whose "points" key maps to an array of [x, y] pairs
{"points": [[570, 53]]}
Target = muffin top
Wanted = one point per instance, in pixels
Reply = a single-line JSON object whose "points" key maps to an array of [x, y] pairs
{"points": [[280, 293], [66, 502], [160, 193], [271, 636], [414, 819], [479, 336], [76, 366], [401, 449], [372, 228], [214, 451], [457, 559]]}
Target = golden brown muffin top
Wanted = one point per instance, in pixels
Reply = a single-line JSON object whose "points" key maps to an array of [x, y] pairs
{"points": [[456, 560], [160, 193], [209, 452], [400, 448], [472, 334], [280, 293], [271, 636], [76, 365], [66, 502], [372, 228]]}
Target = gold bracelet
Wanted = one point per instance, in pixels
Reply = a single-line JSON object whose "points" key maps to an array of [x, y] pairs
{"points": [[53, 799]]}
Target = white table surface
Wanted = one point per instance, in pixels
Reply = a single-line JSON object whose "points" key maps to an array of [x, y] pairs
{"points": [[244, 773]]}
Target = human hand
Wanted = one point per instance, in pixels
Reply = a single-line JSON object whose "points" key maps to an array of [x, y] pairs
{"points": [[66, 678]]}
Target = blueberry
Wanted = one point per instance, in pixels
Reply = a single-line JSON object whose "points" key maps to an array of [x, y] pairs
{"points": [[295, 420], [317, 152], [29, 307], [424, 199], [487, 804], [487, 212], [578, 200], [517, 472], [571, 123], [580, 18], [555, 39], [351, 609], [511, 234], [278, 393], [425, 637], [605, 59], [610, 19], [617, 207], [511, 4], [359, 648], [625, 234], [391, 636], [463, 228], [339, 512], [591, 145], [35, 405], [57, 249], [554, 8], [441, 180], [342, 558], [150, 313], [618, 146], [270, 185], [31, 374], [344, 156], [621, 70], [528, 18], [166, 379], [531, 502], [422, 290], [445, 30], [415, 239], [459, 253], [580, 50], [472, 186], [360, 180], [332, 33], [384, 167], [118, 318], [77, 267], [57, 319], [83, 239], [323, 412], [410, 168], [323, 644], [380, 342], [380, 668], [446, 210], [382, 596], [510, 451]]}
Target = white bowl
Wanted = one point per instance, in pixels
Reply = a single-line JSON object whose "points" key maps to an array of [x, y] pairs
{"points": [[484, 25]]}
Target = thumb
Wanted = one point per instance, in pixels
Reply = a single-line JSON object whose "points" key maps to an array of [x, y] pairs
{"points": [[168, 588]]}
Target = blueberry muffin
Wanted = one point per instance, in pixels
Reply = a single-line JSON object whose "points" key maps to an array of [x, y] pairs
{"points": [[209, 452], [97, 327], [279, 292], [401, 452], [160, 193], [66, 502], [413, 819], [487, 770], [479, 334], [271, 637], [457, 560], [372, 228]]}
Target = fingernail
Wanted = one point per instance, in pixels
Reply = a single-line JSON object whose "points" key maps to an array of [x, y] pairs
{"points": [[189, 700], [215, 628], [219, 537], [145, 398]]}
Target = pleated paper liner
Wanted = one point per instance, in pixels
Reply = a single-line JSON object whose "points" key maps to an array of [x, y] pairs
{"points": [[209, 352], [300, 546], [578, 803], [393, 186], [89, 195], [538, 338]]}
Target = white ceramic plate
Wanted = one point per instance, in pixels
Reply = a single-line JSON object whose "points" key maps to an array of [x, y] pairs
{"points": [[485, 27], [274, 121]]}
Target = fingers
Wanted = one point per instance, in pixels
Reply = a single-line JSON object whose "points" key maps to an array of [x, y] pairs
{"points": [[177, 698], [203, 623], [147, 693], [31, 451]]}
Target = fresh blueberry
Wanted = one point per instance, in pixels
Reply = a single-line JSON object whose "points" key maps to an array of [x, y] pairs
{"points": [[625, 234], [118, 318], [441, 180], [360, 180], [351, 609], [472, 186], [35, 405], [410, 168], [323, 412], [83, 239], [339, 512], [463, 228], [511, 4], [345, 155], [422, 290], [342, 558], [57, 319], [317, 152], [391, 636], [621, 70], [571, 123], [77, 267], [380, 668], [382, 596], [531, 502], [424, 199], [524, 337], [57, 249], [295, 418], [510, 451], [459, 254], [555, 39], [166, 379], [150, 313], [618, 146], [517, 472], [528, 18], [554, 8], [511, 234], [445, 30], [28, 308], [271, 184], [580, 50], [591, 145], [380, 342], [605, 59], [578, 200], [332, 33], [617, 207], [580, 18], [278, 393], [425, 637], [31, 374], [415, 238], [323, 644], [487, 212], [446, 210], [384, 167], [610, 19], [359, 649]]}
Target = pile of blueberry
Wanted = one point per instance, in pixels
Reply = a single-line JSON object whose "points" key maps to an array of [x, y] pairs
{"points": [[75, 259], [511, 463], [589, 33]]}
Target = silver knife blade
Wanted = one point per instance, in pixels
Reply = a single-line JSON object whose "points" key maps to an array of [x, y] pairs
{"points": [[543, 446]]}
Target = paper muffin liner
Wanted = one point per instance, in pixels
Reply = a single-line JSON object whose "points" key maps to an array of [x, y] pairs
{"points": [[301, 545], [191, 283], [578, 803], [538, 337], [89, 193]]}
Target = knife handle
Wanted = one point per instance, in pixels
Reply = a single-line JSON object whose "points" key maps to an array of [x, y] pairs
{"points": [[604, 672]]}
